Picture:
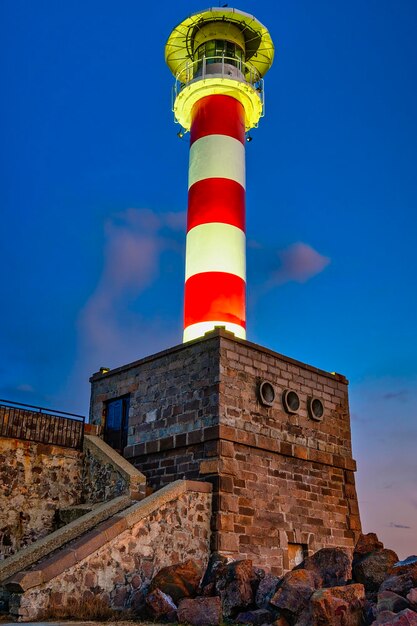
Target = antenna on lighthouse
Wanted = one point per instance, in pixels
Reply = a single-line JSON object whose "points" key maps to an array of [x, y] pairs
{"points": [[218, 58]]}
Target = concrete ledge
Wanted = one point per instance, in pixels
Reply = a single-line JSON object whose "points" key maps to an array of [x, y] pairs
{"points": [[78, 550], [41, 548], [135, 479]]}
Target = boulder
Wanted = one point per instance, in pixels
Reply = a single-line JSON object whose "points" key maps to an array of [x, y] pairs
{"points": [[216, 560], [407, 566], [305, 618], [398, 584], [390, 601], [373, 569], [366, 544], [159, 604], [233, 585], [333, 565], [404, 618], [178, 581], [257, 617], [338, 606], [266, 589], [402, 577], [201, 611], [295, 591]]}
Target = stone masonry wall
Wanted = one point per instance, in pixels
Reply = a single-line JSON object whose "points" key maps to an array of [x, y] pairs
{"points": [[282, 478], [120, 571], [171, 393], [35, 481], [101, 481]]}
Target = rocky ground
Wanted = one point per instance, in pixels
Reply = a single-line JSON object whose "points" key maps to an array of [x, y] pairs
{"points": [[330, 588]]}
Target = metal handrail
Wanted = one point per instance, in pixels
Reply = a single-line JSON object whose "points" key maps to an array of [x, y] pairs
{"points": [[41, 425], [41, 409], [189, 70], [193, 71]]}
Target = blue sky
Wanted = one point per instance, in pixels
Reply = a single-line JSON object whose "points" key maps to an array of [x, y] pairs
{"points": [[93, 200]]}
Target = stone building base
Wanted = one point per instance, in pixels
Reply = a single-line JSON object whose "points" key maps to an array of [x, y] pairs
{"points": [[223, 410]]}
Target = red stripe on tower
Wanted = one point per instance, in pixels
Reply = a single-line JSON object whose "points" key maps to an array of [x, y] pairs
{"points": [[215, 288]]}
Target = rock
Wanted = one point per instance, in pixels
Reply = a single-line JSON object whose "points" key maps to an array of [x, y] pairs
{"points": [[178, 581], [405, 618], [384, 617], [233, 585], [137, 600], [208, 590], [281, 621], [366, 544], [258, 617], [200, 611], [369, 612], [305, 618], [407, 566], [373, 569], [266, 589], [338, 606], [390, 601], [160, 605], [295, 591], [399, 584], [412, 598], [333, 565], [216, 560]]}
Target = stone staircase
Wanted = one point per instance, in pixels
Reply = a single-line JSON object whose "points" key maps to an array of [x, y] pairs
{"points": [[107, 476], [110, 553]]}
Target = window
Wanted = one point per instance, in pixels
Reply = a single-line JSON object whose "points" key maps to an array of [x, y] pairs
{"points": [[215, 49]]}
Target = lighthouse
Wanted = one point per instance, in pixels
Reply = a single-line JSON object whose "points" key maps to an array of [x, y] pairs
{"points": [[267, 435], [218, 58]]}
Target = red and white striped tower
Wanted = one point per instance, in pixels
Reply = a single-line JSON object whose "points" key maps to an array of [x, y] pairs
{"points": [[218, 58]]}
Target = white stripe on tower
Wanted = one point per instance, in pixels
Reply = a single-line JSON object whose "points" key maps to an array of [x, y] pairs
{"points": [[217, 156]]}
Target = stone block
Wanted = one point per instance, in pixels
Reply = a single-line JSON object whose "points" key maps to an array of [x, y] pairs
{"points": [[23, 581], [112, 527], [88, 544], [55, 565]]}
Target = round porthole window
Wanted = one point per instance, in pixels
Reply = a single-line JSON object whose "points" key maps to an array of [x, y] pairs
{"points": [[290, 401], [315, 409], [266, 393]]}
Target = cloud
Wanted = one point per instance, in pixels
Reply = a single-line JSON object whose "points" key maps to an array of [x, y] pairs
{"points": [[113, 328], [396, 395], [392, 525], [23, 393], [299, 263]]}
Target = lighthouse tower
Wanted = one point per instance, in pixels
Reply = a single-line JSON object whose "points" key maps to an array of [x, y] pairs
{"points": [[218, 57]]}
